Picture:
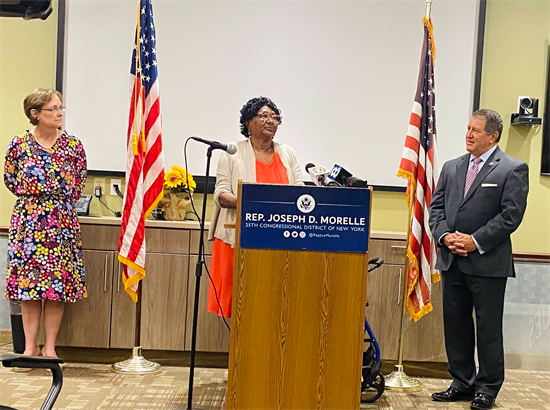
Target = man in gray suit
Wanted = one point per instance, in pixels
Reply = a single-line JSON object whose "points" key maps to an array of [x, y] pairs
{"points": [[479, 201]]}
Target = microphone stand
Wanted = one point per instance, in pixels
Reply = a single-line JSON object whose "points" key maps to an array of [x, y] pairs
{"points": [[198, 274]]}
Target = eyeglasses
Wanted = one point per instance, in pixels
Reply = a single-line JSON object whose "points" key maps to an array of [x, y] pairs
{"points": [[265, 116], [55, 109]]}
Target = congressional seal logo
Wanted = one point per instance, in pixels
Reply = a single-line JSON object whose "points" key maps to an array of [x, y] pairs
{"points": [[306, 203]]}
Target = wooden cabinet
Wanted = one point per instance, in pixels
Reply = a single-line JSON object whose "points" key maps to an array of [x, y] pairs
{"points": [[123, 312], [212, 334], [87, 322], [194, 245], [164, 304], [393, 252], [424, 339], [385, 299], [106, 318]]}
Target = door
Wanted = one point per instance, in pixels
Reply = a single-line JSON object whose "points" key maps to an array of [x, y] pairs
{"points": [[385, 299], [164, 303], [123, 314], [87, 322], [212, 334]]}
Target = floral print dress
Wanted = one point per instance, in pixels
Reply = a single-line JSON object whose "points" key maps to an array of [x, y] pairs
{"points": [[45, 246]]}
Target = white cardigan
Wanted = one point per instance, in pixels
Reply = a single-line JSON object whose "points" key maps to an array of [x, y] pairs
{"points": [[242, 166]]}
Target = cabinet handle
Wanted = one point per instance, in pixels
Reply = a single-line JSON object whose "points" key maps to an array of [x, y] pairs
{"points": [[105, 273], [400, 282], [398, 246], [119, 277]]}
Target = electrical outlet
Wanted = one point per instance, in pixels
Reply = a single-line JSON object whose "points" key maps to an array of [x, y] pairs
{"points": [[115, 181], [100, 182]]}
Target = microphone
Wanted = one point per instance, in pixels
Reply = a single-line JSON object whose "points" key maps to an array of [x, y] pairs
{"points": [[355, 182], [339, 174], [318, 174], [230, 148], [375, 264], [344, 178]]}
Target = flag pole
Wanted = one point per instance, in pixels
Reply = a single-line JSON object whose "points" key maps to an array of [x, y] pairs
{"points": [[398, 380], [137, 364]]}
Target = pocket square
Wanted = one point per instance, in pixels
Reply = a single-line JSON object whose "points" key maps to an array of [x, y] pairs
{"points": [[488, 185]]}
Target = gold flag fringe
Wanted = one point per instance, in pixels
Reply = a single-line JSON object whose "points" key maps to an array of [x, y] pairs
{"points": [[132, 280], [134, 144], [412, 183], [428, 24]]}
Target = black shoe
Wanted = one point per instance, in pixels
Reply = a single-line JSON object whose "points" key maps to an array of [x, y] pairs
{"points": [[452, 394], [482, 402]]}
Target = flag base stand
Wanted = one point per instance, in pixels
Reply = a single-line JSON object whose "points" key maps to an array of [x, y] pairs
{"points": [[400, 382], [137, 364]]}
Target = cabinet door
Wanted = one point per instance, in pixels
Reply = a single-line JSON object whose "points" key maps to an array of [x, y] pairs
{"points": [[212, 335], [123, 313], [393, 252], [194, 247], [164, 303], [100, 237], [385, 299], [87, 322], [424, 339]]}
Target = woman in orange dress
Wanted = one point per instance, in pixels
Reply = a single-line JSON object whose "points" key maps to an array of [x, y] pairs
{"points": [[258, 159]]}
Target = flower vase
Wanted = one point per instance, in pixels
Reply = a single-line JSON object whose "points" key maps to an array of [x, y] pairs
{"points": [[173, 205]]}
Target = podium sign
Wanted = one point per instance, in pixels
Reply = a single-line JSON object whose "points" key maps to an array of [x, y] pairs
{"points": [[304, 218]]}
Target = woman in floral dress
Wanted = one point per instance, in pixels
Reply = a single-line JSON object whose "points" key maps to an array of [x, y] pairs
{"points": [[46, 170]]}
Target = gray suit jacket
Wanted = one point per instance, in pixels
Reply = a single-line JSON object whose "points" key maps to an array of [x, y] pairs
{"points": [[491, 211]]}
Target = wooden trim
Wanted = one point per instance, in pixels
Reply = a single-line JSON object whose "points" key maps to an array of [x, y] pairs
{"points": [[532, 257], [4, 230]]}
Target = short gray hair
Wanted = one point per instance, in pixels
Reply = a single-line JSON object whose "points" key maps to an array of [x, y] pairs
{"points": [[493, 121]]}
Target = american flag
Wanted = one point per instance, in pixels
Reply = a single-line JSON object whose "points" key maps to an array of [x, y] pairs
{"points": [[420, 166], [144, 157]]}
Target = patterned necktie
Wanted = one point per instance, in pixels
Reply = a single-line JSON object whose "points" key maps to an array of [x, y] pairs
{"points": [[471, 175]]}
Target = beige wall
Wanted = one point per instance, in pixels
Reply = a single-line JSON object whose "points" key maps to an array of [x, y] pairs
{"points": [[515, 62], [27, 61], [517, 35]]}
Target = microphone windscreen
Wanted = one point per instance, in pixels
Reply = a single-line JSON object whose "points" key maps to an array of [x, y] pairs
{"points": [[308, 166], [231, 148]]}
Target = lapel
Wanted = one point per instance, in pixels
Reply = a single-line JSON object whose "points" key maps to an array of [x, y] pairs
{"points": [[249, 166], [490, 166]]}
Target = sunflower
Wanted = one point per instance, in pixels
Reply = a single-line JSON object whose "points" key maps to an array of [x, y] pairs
{"points": [[178, 169], [192, 183], [172, 179], [176, 180]]}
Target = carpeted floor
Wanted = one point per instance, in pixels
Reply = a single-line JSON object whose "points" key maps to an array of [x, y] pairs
{"points": [[94, 386]]}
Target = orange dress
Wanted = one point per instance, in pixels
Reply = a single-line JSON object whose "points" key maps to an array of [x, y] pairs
{"points": [[221, 266]]}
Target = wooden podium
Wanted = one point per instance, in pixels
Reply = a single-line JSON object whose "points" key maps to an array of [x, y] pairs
{"points": [[297, 328]]}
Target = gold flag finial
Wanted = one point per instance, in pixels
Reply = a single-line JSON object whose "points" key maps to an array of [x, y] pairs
{"points": [[428, 8]]}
